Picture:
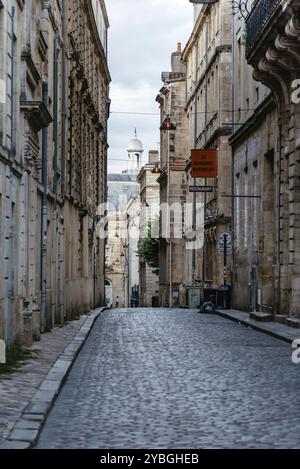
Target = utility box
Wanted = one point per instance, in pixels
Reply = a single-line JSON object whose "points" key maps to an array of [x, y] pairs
{"points": [[194, 297]]}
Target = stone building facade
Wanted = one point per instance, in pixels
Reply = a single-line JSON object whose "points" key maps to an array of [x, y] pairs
{"points": [[149, 198], [271, 48], [122, 262], [174, 151], [208, 59], [86, 164], [53, 144], [254, 143]]}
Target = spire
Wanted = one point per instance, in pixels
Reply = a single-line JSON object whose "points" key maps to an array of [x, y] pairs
{"points": [[135, 133]]}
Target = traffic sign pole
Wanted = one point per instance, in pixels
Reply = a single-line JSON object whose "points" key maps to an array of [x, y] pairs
{"points": [[225, 271]]}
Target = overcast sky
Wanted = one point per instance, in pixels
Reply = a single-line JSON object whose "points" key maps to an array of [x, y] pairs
{"points": [[142, 35]]}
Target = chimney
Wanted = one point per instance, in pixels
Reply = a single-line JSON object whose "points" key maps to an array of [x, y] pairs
{"points": [[153, 156], [177, 65]]}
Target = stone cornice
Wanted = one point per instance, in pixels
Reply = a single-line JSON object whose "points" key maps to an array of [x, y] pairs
{"points": [[36, 113], [33, 75], [197, 28], [254, 121], [221, 131], [97, 40], [218, 51]]}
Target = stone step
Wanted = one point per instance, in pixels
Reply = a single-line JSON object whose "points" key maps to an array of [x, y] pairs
{"points": [[281, 318], [293, 322], [261, 317]]}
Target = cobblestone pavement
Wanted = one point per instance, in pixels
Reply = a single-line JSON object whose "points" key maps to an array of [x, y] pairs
{"points": [[18, 389], [177, 379]]}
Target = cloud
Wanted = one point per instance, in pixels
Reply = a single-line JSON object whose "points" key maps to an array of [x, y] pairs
{"points": [[142, 36]]}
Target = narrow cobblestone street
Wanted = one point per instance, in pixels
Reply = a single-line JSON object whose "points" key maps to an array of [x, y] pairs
{"points": [[176, 379]]}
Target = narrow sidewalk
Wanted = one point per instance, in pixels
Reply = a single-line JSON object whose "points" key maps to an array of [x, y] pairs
{"points": [[272, 328], [22, 389]]}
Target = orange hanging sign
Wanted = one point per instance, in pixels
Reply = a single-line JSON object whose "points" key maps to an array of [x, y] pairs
{"points": [[204, 163]]}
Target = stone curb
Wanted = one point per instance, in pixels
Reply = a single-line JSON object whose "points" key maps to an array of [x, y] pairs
{"points": [[27, 429], [265, 328]]}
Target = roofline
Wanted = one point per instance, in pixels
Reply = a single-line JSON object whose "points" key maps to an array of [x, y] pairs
{"points": [[197, 27], [104, 9]]}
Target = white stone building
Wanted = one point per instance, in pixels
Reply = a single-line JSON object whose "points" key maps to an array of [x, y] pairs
{"points": [[122, 262], [149, 220]]}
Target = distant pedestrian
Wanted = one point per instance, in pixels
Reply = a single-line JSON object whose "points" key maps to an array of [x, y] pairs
{"points": [[117, 302]]}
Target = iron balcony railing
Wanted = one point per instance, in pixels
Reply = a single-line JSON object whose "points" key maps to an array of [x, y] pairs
{"points": [[260, 15]]}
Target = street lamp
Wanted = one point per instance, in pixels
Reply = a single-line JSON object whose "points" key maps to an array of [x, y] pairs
{"points": [[167, 125]]}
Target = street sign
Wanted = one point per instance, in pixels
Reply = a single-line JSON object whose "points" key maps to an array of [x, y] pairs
{"points": [[205, 189], [204, 164], [221, 248], [226, 236]]}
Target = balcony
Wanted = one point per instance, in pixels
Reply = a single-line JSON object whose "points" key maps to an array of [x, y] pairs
{"points": [[263, 11]]}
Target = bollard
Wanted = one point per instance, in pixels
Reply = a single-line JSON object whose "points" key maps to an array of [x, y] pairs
{"points": [[2, 352]]}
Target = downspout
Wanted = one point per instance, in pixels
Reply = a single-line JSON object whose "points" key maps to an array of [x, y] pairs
{"points": [[55, 186], [55, 123], [233, 87], [168, 240], [279, 219], [94, 276], [194, 224], [8, 322], [63, 159], [205, 125], [63, 101], [44, 220]]}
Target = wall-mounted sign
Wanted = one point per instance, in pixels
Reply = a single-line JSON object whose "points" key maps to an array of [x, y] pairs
{"points": [[205, 189], [204, 164], [225, 237]]}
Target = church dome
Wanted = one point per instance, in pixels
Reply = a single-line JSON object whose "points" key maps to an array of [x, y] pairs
{"points": [[135, 145]]}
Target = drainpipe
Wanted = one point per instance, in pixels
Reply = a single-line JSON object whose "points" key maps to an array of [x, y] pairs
{"points": [[195, 180], [63, 156], [8, 319], [232, 155], [279, 227], [94, 276], [63, 101], [169, 219], [44, 220], [205, 124], [55, 113], [55, 186], [168, 240]]}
